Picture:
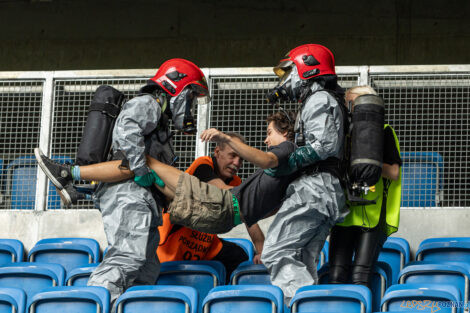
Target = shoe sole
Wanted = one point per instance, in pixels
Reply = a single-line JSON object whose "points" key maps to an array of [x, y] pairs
{"points": [[38, 154], [64, 195]]}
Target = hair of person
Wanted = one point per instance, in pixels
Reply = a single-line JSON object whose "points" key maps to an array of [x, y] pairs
{"points": [[361, 90], [231, 135], [283, 122]]}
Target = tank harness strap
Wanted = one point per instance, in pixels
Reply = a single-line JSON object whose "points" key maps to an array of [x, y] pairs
{"points": [[331, 165], [110, 109], [119, 155]]}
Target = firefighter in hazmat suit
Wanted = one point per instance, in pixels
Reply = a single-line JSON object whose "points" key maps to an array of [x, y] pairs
{"points": [[314, 201], [131, 209]]}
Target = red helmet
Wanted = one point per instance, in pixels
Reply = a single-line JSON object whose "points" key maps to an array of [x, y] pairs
{"points": [[311, 60], [175, 74]]}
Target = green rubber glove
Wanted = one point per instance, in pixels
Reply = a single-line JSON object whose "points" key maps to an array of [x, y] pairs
{"points": [[300, 158], [158, 180], [149, 179]]}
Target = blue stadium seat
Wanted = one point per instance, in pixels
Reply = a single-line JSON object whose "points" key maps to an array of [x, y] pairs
{"points": [[21, 176], [422, 297], [246, 244], [31, 277], [68, 252], [248, 273], [454, 273], [244, 298], [381, 280], [21, 183], [202, 275], [161, 299], [90, 299], [444, 249], [12, 298], [324, 255], [396, 253], [422, 175], [332, 298], [79, 276], [11, 250]]}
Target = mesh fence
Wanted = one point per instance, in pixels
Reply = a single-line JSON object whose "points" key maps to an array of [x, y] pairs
{"points": [[239, 105], [72, 98], [431, 115], [20, 122]]}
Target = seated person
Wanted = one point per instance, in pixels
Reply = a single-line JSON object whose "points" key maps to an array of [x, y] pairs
{"points": [[205, 207], [181, 243], [214, 210]]}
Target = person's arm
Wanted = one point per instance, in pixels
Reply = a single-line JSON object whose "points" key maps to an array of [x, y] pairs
{"points": [[257, 237], [322, 129], [391, 159], [257, 157], [219, 183], [391, 171]]}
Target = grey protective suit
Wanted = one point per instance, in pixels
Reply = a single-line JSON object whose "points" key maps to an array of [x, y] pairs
{"points": [[130, 213], [313, 204]]}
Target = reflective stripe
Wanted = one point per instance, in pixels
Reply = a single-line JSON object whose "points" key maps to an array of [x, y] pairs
{"points": [[366, 161]]}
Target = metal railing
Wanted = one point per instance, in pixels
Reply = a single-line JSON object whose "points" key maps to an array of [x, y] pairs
{"points": [[428, 106]]}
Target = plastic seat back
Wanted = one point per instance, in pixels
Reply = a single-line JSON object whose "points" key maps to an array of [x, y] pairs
{"points": [[90, 299], [444, 249], [396, 253], [323, 255], [246, 244], [422, 297], [381, 280], [69, 252], [12, 300], [162, 299], [79, 276], [422, 174], [21, 177], [244, 298], [11, 250], [332, 298], [21, 183], [455, 273], [250, 274], [201, 275], [31, 277]]}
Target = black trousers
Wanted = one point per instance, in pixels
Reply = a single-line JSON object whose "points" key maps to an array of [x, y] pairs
{"points": [[364, 243], [231, 255]]}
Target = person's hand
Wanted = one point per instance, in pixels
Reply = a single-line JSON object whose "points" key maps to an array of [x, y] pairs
{"points": [[257, 259], [214, 135], [279, 171], [149, 179]]}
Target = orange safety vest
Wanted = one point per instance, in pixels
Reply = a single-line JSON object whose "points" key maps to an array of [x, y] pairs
{"points": [[186, 243]]}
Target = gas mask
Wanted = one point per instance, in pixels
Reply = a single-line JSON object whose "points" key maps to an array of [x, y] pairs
{"points": [[288, 88], [183, 105]]}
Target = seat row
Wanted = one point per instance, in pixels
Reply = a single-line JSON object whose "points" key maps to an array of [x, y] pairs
{"points": [[76, 252], [234, 299], [205, 275], [422, 181]]}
